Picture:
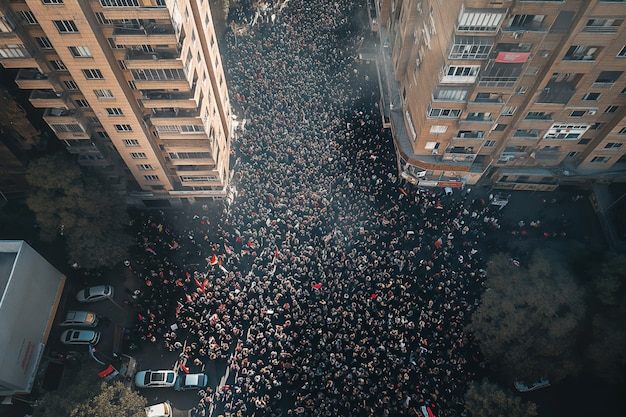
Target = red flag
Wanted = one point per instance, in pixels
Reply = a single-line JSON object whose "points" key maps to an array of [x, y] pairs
{"points": [[178, 307], [183, 367], [204, 284], [276, 253], [249, 244], [317, 286], [188, 298], [213, 260], [197, 282]]}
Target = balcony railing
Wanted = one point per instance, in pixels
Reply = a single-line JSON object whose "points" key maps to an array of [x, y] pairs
{"points": [[151, 29], [135, 55], [175, 113]]}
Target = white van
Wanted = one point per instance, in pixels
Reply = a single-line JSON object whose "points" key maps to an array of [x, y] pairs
{"points": [[159, 410]]}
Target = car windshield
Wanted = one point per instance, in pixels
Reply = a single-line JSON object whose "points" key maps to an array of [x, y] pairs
{"points": [[106, 290], [146, 380], [87, 294], [68, 337], [170, 377]]}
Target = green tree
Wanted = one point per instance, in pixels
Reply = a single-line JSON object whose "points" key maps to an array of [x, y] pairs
{"points": [[486, 399], [529, 319], [80, 207], [606, 352], [92, 399]]}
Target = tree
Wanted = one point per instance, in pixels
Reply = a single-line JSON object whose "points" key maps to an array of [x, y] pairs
{"points": [[92, 399], [606, 353], [486, 399], [529, 319], [80, 207]]}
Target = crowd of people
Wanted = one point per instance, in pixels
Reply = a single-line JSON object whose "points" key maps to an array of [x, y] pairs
{"points": [[329, 285]]}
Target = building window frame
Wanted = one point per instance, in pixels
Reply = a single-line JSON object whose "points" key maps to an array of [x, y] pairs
{"points": [[65, 26]]}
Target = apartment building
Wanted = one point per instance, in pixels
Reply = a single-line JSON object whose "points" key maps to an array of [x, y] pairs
{"points": [[520, 94], [135, 87]]}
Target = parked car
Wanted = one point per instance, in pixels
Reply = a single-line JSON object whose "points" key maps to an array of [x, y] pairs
{"points": [[159, 410], [80, 337], [97, 293], [153, 379], [521, 387], [80, 318], [191, 381]]}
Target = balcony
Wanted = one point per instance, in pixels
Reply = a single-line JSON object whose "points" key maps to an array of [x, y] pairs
{"points": [[150, 34], [61, 115], [548, 155], [477, 117], [526, 134], [556, 93], [459, 154], [175, 113], [32, 79], [160, 58], [17, 57], [47, 98], [470, 134], [539, 116], [160, 99]]}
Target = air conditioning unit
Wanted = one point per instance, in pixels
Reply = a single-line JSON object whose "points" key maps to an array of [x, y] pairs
{"points": [[592, 112]]}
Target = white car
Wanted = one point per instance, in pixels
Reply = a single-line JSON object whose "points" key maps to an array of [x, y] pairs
{"points": [[159, 410], [154, 379], [97, 293], [80, 318], [191, 381], [80, 337]]}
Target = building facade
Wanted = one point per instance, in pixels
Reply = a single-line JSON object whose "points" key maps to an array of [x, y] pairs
{"points": [[135, 87], [517, 93]]}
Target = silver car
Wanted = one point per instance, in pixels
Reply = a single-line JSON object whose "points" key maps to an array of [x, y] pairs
{"points": [[97, 293], [80, 337]]}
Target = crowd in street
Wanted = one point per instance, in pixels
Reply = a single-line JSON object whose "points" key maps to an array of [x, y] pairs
{"points": [[330, 286]]}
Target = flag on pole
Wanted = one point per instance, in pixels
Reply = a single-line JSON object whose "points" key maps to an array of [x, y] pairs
{"points": [[213, 260], [183, 367]]}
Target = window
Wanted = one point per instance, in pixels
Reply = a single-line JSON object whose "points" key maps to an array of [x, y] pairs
{"points": [[138, 155], [130, 142], [601, 25], [600, 159], [444, 113], [470, 47], [93, 74], [490, 143], [623, 91], [67, 128], [470, 134], [613, 145], [450, 94], [119, 3], [70, 85], [500, 127], [566, 131], [52, 1], [159, 74], [431, 145], [58, 65], [114, 111], [460, 74], [191, 129], [28, 17], [622, 131], [145, 167], [44, 42], [198, 178], [508, 110], [409, 121], [582, 53], [583, 141], [189, 155], [622, 52], [572, 154], [102, 19], [611, 109], [478, 21], [596, 126], [578, 113], [151, 177], [608, 77], [65, 26], [591, 97], [103, 93], [80, 51], [123, 128], [82, 103]]}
